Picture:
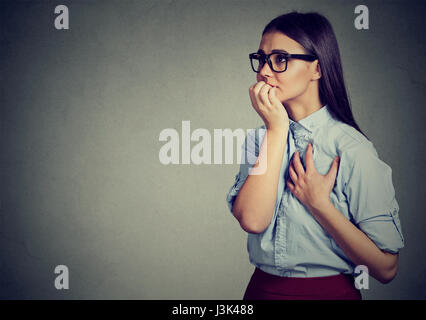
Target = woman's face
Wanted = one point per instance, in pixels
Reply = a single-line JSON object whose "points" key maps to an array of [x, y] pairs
{"points": [[293, 82]]}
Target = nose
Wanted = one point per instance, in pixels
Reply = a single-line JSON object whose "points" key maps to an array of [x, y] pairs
{"points": [[265, 71]]}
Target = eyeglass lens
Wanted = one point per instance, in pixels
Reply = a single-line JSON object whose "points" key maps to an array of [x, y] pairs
{"points": [[279, 62]]}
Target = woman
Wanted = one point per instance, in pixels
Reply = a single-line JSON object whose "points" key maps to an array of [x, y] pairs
{"points": [[325, 203]]}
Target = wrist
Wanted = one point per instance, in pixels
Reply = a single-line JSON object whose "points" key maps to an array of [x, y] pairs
{"points": [[321, 208], [278, 131]]}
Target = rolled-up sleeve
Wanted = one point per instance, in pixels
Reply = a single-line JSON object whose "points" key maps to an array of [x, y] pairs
{"points": [[249, 154], [371, 197]]}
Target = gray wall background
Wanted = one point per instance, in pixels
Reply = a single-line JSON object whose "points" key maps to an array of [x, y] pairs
{"points": [[81, 113]]}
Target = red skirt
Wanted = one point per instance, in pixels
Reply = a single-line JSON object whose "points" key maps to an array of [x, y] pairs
{"points": [[265, 286]]}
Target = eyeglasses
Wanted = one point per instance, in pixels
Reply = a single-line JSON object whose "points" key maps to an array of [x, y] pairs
{"points": [[277, 61]]}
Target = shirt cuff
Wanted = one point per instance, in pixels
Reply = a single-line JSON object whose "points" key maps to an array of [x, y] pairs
{"points": [[233, 192], [384, 231]]}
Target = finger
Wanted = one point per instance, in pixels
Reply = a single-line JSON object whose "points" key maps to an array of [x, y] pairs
{"points": [[298, 164], [257, 87], [309, 159], [255, 92], [292, 173], [332, 173], [290, 185], [252, 98], [264, 95], [273, 96], [251, 90]]}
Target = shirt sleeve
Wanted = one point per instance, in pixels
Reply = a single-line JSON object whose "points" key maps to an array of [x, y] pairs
{"points": [[371, 197], [249, 154]]}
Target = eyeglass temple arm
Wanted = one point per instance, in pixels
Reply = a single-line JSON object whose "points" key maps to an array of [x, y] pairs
{"points": [[308, 57]]}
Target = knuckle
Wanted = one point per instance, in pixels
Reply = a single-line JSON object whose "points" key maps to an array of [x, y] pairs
{"points": [[266, 88]]}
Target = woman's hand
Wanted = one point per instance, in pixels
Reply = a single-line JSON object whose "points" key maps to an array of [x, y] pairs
{"points": [[270, 109], [310, 187]]}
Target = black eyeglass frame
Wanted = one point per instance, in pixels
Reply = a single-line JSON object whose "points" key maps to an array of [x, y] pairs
{"points": [[267, 57]]}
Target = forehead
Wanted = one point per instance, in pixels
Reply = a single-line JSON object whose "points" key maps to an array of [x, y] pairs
{"points": [[278, 40]]}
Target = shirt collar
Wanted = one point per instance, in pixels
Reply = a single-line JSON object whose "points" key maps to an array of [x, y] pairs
{"points": [[312, 121]]}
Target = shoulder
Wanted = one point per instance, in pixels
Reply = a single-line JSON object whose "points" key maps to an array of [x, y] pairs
{"points": [[358, 155], [348, 142], [359, 158]]}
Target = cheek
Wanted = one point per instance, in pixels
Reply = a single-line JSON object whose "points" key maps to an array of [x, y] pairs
{"points": [[292, 82]]}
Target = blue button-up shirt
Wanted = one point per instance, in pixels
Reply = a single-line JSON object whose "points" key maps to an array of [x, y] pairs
{"points": [[295, 244]]}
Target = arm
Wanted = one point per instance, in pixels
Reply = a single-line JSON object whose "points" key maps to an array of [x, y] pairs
{"points": [[255, 203], [355, 244]]}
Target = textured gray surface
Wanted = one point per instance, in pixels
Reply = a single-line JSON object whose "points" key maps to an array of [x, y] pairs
{"points": [[81, 113]]}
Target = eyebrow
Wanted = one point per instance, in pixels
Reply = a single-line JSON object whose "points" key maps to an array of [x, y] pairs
{"points": [[273, 51]]}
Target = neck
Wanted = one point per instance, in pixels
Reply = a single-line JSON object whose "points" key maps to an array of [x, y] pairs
{"points": [[303, 105]]}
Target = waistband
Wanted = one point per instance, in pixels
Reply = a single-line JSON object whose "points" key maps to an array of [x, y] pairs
{"points": [[314, 286]]}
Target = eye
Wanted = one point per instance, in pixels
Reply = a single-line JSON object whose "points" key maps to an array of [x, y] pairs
{"points": [[280, 58]]}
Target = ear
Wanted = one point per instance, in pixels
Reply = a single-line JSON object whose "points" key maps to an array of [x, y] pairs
{"points": [[317, 71]]}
